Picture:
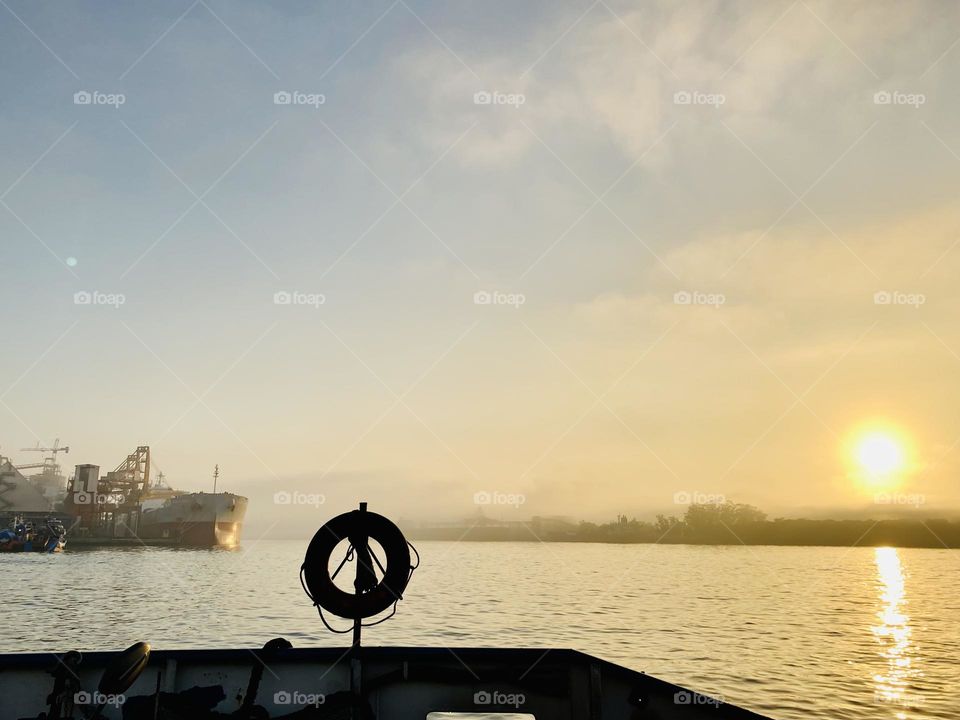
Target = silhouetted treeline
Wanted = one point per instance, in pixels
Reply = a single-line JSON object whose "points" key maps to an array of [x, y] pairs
{"points": [[736, 524]]}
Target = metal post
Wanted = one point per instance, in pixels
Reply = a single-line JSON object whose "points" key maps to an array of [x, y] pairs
{"points": [[356, 667], [357, 623]]}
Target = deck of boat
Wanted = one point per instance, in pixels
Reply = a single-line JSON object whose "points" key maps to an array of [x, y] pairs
{"points": [[396, 683]]}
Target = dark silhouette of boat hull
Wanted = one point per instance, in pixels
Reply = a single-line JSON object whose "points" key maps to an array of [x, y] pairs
{"points": [[398, 683]]}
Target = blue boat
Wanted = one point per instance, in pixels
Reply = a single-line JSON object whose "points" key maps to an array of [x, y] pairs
{"points": [[47, 536]]}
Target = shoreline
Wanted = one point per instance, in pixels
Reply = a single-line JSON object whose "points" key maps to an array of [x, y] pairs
{"points": [[568, 541], [929, 534]]}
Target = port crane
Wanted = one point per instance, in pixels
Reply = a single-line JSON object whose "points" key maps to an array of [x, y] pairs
{"points": [[47, 462], [111, 502], [55, 449]]}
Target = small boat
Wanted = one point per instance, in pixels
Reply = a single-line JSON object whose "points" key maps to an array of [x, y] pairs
{"points": [[23, 536], [345, 683]]}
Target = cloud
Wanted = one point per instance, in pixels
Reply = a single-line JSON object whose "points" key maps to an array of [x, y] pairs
{"points": [[613, 78], [802, 270]]}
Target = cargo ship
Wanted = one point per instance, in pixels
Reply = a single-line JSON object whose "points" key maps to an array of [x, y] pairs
{"points": [[192, 518]]}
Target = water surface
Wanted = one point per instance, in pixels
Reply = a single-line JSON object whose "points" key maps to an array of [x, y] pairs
{"points": [[798, 633]]}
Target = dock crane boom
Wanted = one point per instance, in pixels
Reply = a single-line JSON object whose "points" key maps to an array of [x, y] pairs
{"points": [[53, 450]]}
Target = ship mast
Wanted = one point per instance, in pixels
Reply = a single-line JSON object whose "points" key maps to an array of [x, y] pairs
{"points": [[216, 474]]}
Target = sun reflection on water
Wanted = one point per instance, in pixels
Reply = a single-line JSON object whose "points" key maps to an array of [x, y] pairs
{"points": [[893, 633]]}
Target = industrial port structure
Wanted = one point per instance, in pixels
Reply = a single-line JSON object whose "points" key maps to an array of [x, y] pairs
{"points": [[121, 506], [110, 506]]}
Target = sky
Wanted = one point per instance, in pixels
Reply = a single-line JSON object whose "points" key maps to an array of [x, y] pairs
{"points": [[588, 258]]}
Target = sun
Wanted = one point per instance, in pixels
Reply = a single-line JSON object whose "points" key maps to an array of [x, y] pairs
{"points": [[880, 454], [880, 457]]}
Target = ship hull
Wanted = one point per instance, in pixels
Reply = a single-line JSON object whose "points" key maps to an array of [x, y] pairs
{"points": [[200, 534], [197, 519]]}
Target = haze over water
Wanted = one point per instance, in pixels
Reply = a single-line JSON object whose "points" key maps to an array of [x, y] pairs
{"points": [[795, 633]]}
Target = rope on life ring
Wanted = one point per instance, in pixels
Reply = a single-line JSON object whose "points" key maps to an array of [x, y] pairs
{"points": [[371, 596]]}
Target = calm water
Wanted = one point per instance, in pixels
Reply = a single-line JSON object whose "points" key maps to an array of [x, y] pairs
{"points": [[790, 632]]}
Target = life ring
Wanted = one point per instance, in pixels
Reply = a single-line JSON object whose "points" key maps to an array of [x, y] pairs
{"points": [[372, 597]]}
